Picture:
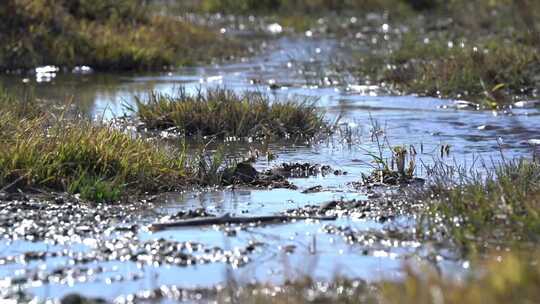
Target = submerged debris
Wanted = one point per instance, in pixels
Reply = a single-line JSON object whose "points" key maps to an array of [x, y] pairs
{"points": [[381, 208], [303, 170], [245, 174], [95, 234], [189, 214], [381, 178], [227, 219]]}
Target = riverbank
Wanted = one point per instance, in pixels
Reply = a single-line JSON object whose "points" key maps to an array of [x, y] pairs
{"points": [[104, 35]]}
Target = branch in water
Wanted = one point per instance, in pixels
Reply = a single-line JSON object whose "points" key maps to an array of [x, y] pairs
{"points": [[227, 219]]}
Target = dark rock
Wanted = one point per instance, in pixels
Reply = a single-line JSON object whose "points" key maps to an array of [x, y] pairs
{"points": [[340, 172], [242, 173], [245, 172], [329, 205], [274, 86], [78, 299]]}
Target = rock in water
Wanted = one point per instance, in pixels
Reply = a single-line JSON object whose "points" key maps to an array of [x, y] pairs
{"points": [[245, 173]]}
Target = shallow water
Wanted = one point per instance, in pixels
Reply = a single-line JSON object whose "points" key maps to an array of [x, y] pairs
{"points": [[297, 66]]}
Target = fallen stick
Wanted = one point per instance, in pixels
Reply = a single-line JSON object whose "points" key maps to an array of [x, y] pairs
{"points": [[227, 219]]}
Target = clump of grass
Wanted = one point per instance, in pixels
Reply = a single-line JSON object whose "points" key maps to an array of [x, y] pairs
{"points": [[96, 161], [58, 152], [210, 167], [224, 113], [97, 189], [490, 73], [400, 168], [105, 34], [499, 208], [482, 51]]}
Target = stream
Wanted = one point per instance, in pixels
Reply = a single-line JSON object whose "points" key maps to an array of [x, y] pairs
{"points": [[119, 257]]}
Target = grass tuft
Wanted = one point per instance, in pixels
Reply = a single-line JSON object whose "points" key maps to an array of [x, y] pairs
{"points": [[224, 113], [485, 52], [398, 171], [489, 73], [499, 208], [97, 161], [59, 152]]}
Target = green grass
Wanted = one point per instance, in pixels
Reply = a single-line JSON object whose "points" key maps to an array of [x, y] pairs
{"points": [[489, 73], [48, 150], [485, 52], [518, 19], [104, 34], [400, 169], [54, 151], [96, 161], [223, 113], [499, 208]]}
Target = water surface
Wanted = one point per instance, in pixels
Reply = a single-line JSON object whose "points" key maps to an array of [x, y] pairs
{"points": [[299, 67]]}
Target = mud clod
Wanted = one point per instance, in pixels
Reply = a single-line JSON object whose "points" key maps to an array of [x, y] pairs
{"points": [[304, 170], [244, 174]]}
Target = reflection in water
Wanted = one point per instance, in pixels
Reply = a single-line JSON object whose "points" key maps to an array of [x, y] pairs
{"points": [[91, 93]]}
